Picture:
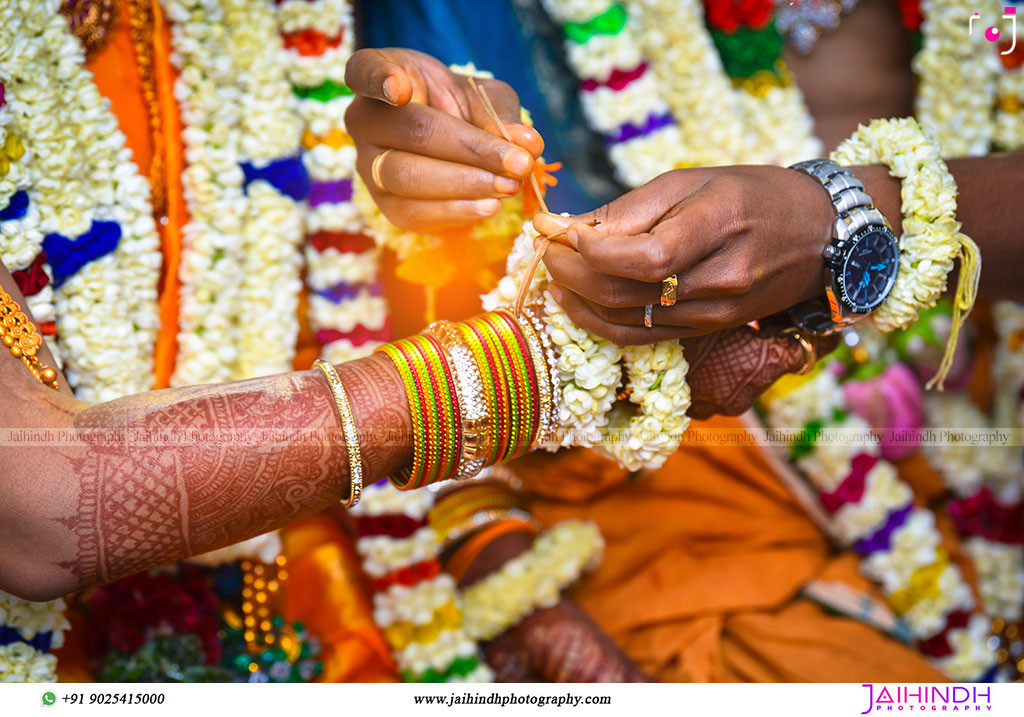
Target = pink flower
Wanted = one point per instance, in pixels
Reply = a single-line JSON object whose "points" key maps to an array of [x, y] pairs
{"points": [[892, 403]]}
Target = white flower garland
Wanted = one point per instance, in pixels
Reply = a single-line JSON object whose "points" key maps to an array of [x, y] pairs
{"points": [[1000, 577], [931, 239], [240, 254], [23, 663], [957, 76], [330, 17], [414, 604], [532, 580], [913, 548]]}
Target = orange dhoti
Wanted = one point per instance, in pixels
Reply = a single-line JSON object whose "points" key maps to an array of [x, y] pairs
{"points": [[704, 563]]}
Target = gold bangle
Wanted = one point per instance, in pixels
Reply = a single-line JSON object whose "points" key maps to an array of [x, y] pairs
{"points": [[348, 426], [810, 355]]}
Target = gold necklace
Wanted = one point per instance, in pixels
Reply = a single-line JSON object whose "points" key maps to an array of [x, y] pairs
{"points": [[19, 335]]}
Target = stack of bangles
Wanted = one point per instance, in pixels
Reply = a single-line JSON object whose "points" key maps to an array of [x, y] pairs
{"points": [[481, 392], [471, 517]]}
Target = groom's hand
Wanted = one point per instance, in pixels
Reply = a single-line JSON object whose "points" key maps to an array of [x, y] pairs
{"points": [[446, 162]]}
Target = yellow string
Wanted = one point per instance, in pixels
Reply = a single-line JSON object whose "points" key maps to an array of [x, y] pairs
{"points": [[963, 302]]}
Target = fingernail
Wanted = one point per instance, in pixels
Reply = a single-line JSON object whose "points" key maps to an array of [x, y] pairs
{"points": [[558, 219], [555, 292], [391, 89], [487, 207], [574, 238], [506, 185], [517, 161]]}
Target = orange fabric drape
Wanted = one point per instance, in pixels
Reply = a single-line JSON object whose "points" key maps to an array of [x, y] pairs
{"points": [[704, 562], [326, 592], [116, 75]]}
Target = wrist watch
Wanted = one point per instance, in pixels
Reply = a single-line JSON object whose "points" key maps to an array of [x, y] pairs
{"points": [[861, 261]]}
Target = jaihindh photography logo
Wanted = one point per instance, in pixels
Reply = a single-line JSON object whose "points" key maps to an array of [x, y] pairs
{"points": [[926, 698]]}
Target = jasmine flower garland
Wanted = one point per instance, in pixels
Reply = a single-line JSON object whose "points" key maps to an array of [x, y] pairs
{"points": [[590, 371], [270, 141], [28, 631], [241, 259], [533, 580], [86, 198], [931, 240], [957, 74], [212, 240]]}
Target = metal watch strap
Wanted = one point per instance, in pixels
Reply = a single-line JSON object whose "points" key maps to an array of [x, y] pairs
{"points": [[853, 207], [854, 210]]}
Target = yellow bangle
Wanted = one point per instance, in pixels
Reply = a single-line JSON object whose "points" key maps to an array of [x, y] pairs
{"points": [[348, 427]]}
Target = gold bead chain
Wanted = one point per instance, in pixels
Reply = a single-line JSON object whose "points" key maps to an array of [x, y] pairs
{"points": [[19, 335]]}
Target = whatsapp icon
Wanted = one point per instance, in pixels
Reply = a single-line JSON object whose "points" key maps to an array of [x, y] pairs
{"points": [[49, 698]]}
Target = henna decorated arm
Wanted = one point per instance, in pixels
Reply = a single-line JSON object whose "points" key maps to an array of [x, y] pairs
{"points": [[730, 369], [241, 458]]}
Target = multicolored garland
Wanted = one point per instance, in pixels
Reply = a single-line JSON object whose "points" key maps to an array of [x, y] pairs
{"points": [[619, 95], [874, 514], [987, 481], [347, 308], [664, 98], [77, 223], [415, 602]]}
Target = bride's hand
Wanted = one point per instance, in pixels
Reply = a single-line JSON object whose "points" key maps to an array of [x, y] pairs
{"points": [[446, 163], [745, 242], [730, 369]]}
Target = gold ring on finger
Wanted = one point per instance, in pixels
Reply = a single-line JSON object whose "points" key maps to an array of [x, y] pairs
{"points": [[668, 290], [375, 168]]}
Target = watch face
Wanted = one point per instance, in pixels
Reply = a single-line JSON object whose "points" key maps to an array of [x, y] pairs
{"points": [[868, 269]]}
